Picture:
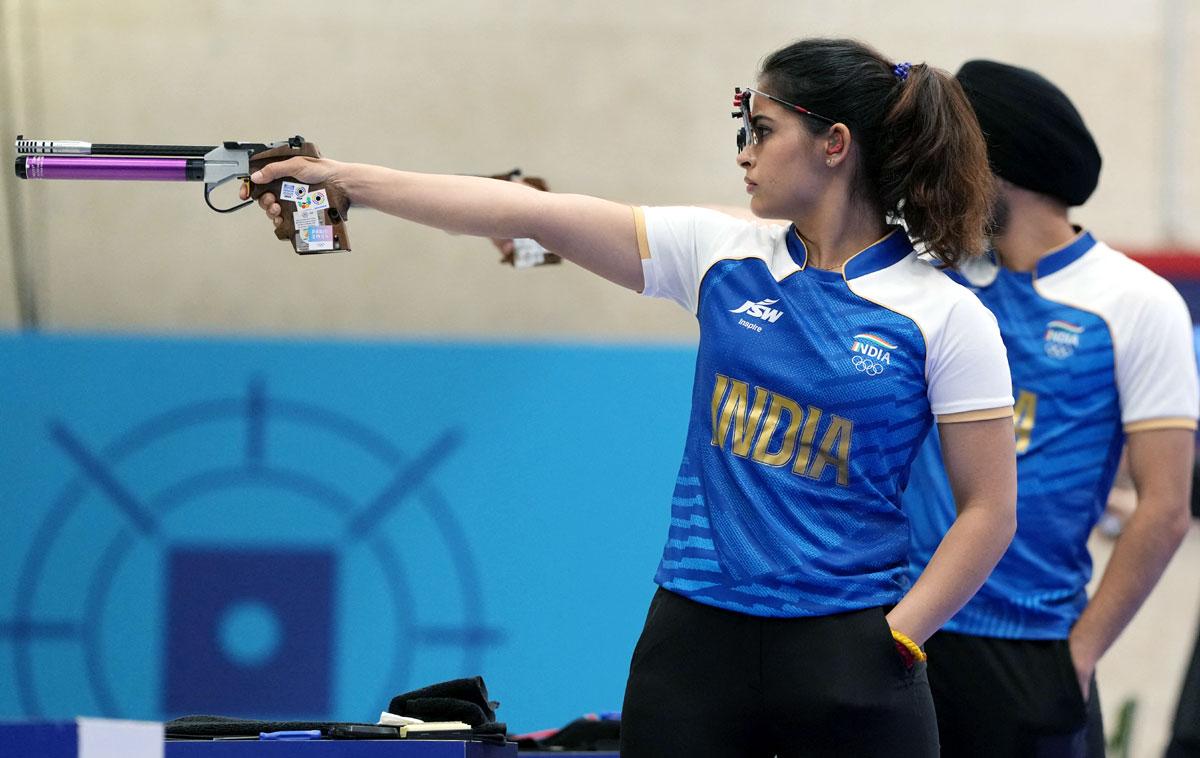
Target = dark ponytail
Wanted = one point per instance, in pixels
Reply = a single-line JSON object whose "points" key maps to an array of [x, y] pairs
{"points": [[922, 157]]}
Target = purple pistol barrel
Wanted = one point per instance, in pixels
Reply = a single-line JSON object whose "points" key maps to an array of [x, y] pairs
{"points": [[108, 168]]}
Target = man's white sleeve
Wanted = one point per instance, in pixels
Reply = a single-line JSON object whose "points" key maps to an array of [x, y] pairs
{"points": [[1156, 361]]}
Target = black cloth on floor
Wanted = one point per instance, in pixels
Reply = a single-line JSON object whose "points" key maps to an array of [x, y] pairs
{"points": [[455, 700], [580, 734]]}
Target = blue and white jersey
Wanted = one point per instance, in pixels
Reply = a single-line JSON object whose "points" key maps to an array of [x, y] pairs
{"points": [[813, 391], [1099, 346]]}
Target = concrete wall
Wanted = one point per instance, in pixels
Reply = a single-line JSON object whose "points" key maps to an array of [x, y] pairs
{"points": [[622, 100], [1147, 663]]}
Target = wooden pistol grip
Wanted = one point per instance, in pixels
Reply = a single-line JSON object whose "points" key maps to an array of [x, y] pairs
{"points": [[335, 215]]}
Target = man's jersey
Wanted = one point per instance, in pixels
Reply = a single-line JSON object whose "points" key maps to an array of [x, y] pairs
{"points": [[813, 390], [1099, 346]]}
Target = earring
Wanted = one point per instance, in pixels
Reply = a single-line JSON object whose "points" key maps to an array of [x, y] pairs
{"points": [[829, 162]]}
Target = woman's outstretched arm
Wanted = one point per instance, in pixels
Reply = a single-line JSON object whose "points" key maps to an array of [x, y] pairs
{"points": [[596, 234]]}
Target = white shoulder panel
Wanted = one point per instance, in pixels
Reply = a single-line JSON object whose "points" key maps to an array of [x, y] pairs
{"points": [[1151, 331], [682, 243], [966, 365]]}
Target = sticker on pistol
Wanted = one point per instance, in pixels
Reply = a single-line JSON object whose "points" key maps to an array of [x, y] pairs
{"points": [[305, 219], [317, 200], [314, 238], [293, 191]]}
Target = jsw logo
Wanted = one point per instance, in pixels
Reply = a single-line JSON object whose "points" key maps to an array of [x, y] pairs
{"points": [[761, 309]]}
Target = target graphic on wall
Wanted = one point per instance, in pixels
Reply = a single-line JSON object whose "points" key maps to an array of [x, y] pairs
{"points": [[251, 555]]}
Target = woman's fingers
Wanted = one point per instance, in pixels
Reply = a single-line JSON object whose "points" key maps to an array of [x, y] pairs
{"points": [[268, 203], [301, 169]]}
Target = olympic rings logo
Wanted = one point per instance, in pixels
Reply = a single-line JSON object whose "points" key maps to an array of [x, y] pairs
{"points": [[1061, 352], [867, 365]]}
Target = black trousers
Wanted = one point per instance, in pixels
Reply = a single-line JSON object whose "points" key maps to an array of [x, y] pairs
{"points": [[1003, 698], [711, 682]]}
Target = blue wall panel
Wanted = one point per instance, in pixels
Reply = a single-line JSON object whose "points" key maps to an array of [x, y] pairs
{"points": [[304, 529]]}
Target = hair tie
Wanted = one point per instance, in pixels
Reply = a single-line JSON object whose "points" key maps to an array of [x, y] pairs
{"points": [[900, 70]]}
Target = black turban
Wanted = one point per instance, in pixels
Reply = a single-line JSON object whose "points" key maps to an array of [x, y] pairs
{"points": [[1035, 137]]}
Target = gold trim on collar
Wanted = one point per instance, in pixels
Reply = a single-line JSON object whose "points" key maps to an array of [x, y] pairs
{"points": [[842, 268], [803, 245]]}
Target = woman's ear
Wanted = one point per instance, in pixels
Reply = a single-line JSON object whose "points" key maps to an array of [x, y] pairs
{"points": [[837, 144]]}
